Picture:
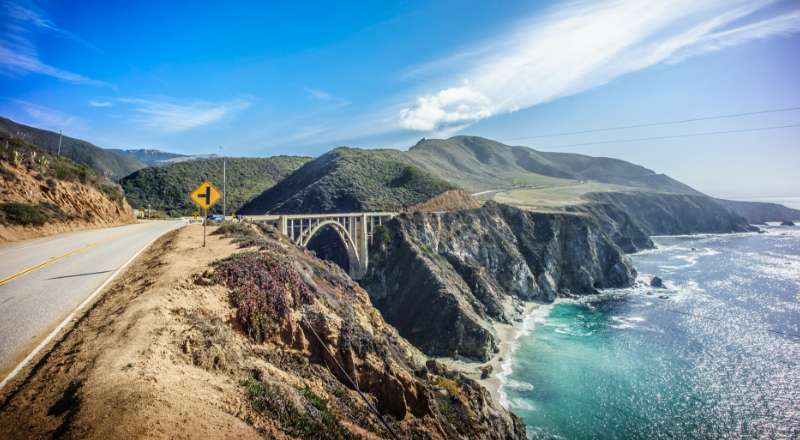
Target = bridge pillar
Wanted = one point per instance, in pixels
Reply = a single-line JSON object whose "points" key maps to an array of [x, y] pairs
{"points": [[362, 246], [284, 225]]}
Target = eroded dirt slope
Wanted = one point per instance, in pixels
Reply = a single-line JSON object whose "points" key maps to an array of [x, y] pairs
{"points": [[69, 205]]}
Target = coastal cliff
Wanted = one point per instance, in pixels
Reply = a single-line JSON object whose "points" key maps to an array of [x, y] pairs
{"points": [[758, 213], [673, 214], [440, 279]]}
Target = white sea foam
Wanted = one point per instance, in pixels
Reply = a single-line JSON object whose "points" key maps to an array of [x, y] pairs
{"points": [[537, 317], [626, 322], [521, 404], [518, 385]]}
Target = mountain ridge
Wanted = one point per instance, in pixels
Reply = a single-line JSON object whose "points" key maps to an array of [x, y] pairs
{"points": [[106, 162]]}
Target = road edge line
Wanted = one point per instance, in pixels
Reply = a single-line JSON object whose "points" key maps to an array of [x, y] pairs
{"points": [[71, 316]]}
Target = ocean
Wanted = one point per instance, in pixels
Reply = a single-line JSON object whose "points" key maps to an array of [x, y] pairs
{"points": [[713, 355]]}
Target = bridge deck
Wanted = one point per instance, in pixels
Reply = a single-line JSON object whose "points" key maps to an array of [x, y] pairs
{"points": [[276, 217]]}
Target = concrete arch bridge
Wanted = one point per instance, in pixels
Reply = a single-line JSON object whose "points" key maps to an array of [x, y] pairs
{"points": [[354, 232]]}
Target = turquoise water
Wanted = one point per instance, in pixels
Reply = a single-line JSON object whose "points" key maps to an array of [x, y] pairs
{"points": [[715, 355]]}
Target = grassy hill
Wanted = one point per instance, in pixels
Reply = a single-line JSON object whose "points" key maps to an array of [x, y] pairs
{"points": [[167, 187], [480, 164], [105, 162], [348, 179]]}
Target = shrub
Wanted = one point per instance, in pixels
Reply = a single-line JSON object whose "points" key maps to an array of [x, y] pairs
{"points": [[113, 191], [451, 387], [314, 421], [28, 214], [264, 291], [380, 235]]}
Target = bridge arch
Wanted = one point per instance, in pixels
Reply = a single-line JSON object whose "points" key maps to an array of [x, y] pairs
{"points": [[354, 230], [354, 261]]}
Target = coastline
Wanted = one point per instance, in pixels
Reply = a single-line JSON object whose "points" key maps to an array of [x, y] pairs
{"points": [[500, 363]]}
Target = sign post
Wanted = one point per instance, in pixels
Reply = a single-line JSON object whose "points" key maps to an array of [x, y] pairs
{"points": [[204, 197]]}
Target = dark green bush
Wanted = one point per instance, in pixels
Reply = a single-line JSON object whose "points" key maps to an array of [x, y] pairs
{"points": [[314, 421], [28, 214]]}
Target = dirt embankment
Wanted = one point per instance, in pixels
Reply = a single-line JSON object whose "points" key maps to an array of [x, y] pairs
{"points": [[165, 354], [451, 200], [68, 205]]}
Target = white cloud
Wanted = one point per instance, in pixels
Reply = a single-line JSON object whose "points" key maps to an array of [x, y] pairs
{"points": [[579, 46], [453, 107], [97, 103], [170, 117], [18, 53]]}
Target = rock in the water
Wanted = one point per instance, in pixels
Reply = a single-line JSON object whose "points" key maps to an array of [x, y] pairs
{"points": [[657, 283], [787, 223], [663, 297], [486, 371]]}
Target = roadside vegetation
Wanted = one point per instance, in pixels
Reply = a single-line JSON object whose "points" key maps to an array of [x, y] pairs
{"points": [[29, 214], [263, 289]]}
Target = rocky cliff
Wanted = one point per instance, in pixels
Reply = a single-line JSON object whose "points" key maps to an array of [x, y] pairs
{"points": [[758, 213], [441, 279], [671, 214]]}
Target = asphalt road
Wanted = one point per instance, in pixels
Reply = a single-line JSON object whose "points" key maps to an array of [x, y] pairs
{"points": [[42, 281]]}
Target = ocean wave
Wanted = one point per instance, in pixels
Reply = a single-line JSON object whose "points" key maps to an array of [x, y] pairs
{"points": [[537, 317], [518, 385], [623, 322], [521, 404], [689, 259], [570, 331]]}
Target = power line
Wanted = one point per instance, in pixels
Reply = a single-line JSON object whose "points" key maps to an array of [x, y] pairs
{"points": [[676, 136], [660, 123]]}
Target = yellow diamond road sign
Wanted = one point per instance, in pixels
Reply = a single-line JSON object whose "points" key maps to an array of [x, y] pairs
{"points": [[205, 195]]}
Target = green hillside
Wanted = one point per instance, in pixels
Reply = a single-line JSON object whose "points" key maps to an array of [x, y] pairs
{"points": [[348, 179], [105, 162], [167, 187], [480, 164]]}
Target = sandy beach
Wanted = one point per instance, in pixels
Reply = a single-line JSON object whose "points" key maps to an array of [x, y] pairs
{"points": [[507, 334]]}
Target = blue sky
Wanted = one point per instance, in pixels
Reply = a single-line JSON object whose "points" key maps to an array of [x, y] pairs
{"points": [[266, 78]]}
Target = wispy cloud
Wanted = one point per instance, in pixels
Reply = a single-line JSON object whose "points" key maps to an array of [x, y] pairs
{"points": [[579, 46], [19, 55], [332, 101], [46, 117], [168, 116], [317, 93], [98, 103], [37, 20]]}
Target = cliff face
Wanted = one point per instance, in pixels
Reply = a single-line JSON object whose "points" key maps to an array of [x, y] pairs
{"points": [[758, 213], [671, 214], [441, 279]]}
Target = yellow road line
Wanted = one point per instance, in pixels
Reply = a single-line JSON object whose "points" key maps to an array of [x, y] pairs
{"points": [[54, 259]]}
